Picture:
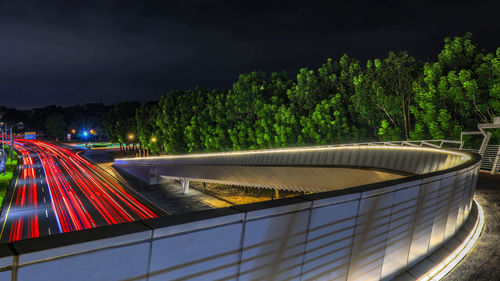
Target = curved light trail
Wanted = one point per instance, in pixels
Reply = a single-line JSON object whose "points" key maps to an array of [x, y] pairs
{"points": [[57, 190]]}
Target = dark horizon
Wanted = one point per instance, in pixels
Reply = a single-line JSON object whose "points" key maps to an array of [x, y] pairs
{"points": [[110, 51]]}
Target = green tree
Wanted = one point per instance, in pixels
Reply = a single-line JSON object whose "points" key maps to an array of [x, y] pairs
{"points": [[322, 99], [286, 127], [146, 128], [120, 124], [327, 123], [457, 92], [384, 95], [243, 102], [268, 109]]}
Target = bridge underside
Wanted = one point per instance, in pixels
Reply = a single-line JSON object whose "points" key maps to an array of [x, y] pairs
{"points": [[308, 169], [303, 179]]}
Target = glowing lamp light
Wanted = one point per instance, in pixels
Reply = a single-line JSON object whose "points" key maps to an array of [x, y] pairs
{"points": [[153, 139], [131, 136], [73, 131], [85, 133]]}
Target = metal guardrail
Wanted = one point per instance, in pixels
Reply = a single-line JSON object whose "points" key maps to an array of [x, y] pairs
{"points": [[490, 152], [416, 143]]}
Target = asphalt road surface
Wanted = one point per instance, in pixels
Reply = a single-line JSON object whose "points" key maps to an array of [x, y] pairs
{"points": [[56, 190]]}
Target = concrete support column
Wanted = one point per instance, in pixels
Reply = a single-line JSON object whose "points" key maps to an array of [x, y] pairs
{"points": [[154, 178], [185, 185]]}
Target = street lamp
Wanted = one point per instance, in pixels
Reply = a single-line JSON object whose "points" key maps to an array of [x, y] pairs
{"points": [[73, 131], [131, 137], [153, 139], [4, 131]]}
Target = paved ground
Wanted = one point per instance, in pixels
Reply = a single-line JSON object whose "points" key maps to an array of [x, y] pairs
{"points": [[483, 262]]}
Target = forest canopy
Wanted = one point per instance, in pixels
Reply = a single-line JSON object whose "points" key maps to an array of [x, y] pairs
{"points": [[393, 98]]}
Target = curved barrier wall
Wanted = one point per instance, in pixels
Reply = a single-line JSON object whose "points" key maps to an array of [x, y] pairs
{"points": [[245, 168], [370, 232]]}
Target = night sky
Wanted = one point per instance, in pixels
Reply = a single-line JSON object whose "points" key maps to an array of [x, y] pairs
{"points": [[70, 52]]}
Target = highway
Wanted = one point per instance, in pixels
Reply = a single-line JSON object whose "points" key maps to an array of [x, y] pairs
{"points": [[56, 190]]}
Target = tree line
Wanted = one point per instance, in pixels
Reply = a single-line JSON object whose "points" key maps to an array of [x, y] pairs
{"points": [[394, 98], [56, 122]]}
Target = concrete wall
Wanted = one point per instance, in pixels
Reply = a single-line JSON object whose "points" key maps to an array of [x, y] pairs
{"points": [[370, 234]]}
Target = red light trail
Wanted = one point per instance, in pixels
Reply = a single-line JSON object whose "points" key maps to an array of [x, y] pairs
{"points": [[57, 190]]}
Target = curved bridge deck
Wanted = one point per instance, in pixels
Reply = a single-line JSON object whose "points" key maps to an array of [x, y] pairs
{"points": [[312, 169]]}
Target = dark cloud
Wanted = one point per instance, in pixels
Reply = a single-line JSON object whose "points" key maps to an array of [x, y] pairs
{"points": [[67, 52]]}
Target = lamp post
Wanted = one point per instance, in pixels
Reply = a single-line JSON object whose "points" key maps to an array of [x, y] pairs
{"points": [[11, 144], [3, 146], [4, 159], [5, 130], [153, 140], [131, 138]]}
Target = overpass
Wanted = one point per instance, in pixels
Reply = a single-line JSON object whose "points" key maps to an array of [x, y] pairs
{"points": [[345, 230], [309, 169]]}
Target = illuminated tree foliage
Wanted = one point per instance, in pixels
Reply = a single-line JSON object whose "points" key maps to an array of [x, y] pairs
{"points": [[147, 130], [393, 98], [456, 92], [384, 95]]}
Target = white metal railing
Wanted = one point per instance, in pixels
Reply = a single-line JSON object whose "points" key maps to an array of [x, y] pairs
{"points": [[489, 152], [415, 143]]}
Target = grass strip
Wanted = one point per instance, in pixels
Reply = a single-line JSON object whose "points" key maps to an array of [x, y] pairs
{"points": [[9, 173]]}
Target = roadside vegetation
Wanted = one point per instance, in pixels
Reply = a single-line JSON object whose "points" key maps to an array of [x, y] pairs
{"points": [[9, 173], [393, 98]]}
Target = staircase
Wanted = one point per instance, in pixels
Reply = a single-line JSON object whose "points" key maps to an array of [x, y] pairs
{"points": [[491, 159], [484, 145]]}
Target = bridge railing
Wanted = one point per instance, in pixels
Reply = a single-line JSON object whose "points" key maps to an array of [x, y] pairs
{"points": [[416, 143], [490, 152]]}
